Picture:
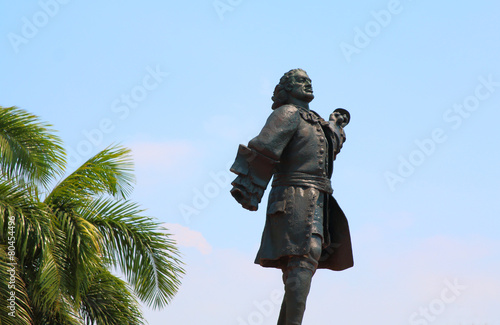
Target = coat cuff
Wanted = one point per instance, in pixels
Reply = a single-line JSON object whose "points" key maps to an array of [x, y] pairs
{"points": [[254, 172]]}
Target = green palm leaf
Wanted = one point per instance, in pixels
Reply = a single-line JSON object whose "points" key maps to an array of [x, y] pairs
{"points": [[34, 247], [28, 149], [140, 246], [22, 309], [32, 219], [107, 300], [51, 301], [108, 172], [78, 249]]}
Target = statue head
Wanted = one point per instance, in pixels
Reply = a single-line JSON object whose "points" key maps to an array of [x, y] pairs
{"points": [[296, 84]]}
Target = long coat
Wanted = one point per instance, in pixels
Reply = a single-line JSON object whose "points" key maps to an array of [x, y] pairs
{"points": [[301, 147]]}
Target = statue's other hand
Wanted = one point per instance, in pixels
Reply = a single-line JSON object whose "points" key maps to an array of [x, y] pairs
{"points": [[337, 118]]}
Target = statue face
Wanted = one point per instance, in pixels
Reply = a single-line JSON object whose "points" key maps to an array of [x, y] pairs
{"points": [[301, 87]]}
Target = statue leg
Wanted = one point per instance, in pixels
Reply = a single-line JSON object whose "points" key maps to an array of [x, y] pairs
{"points": [[297, 278], [282, 317]]}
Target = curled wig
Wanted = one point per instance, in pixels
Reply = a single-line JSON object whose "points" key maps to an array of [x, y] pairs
{"points": [[280, 94]]}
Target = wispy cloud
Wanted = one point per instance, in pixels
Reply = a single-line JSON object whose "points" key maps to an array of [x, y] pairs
{"points": [[161, 162], [165, 155], [186, 237]]}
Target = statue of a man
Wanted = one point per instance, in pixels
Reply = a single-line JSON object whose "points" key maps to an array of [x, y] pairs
{"points": [[305, 227]]}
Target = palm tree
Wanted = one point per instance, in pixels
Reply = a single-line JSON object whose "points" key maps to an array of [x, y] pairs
{"points": [[69, 237]]}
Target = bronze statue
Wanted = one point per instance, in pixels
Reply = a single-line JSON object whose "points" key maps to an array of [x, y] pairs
{"points": [[305, 227]]}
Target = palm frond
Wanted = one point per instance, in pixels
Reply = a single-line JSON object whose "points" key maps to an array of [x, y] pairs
{"points": [[52, 304], [34, 250], [64, 315], [13, 288], [140, 247], [29, 151], [108, 300], [78, 250], [32, 219], [108, 172]]}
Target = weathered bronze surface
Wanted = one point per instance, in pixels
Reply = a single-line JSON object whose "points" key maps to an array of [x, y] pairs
{"points": [[305, 227]]}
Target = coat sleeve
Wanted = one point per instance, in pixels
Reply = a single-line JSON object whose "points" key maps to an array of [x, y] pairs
{"points": [[255, 164], [338, 137], [277, 132]]}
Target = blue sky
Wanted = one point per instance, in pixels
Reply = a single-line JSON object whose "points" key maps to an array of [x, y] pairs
{"points": [[183, 83]]}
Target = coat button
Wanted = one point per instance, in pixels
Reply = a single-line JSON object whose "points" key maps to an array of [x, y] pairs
{"points": [[321, 150], [321, 139]]}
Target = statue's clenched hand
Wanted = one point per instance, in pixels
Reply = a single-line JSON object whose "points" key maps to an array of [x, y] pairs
{"points": [[340, 117]]}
